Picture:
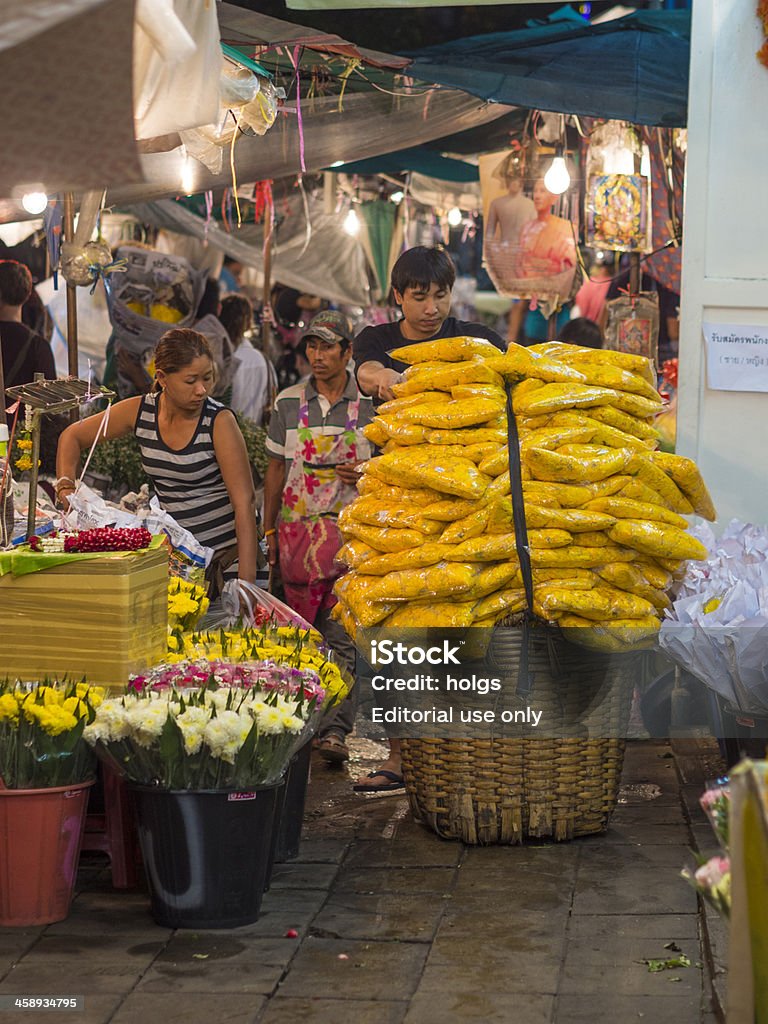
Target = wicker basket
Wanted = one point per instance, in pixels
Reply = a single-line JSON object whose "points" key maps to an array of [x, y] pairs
{"points": [[502, 790]]}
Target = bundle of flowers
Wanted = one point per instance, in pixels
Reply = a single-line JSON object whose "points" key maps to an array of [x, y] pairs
{"points": [[712, 877], [212, 737], [101, 538], [187, 603], [41, 733], [284, 646], [301, 684]]}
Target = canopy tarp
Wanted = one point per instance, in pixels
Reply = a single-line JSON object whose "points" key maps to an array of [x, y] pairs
{"points": [[331, 263], [631, 69], [418, 158]]}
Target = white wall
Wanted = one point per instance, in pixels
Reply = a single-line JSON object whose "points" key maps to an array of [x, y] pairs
{"points": [[725, 253]]}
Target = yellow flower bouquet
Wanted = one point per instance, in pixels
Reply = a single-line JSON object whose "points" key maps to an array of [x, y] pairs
{"points": [[187, 604], [41, 733]]}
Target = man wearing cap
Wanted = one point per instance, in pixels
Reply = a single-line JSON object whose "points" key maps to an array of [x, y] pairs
{"points": [[315, 443]]}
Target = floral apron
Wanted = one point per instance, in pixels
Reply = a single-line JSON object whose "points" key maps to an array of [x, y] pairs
{"points": [[308, 533]]}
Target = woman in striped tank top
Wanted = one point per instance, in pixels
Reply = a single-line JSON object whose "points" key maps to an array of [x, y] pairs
{"points": [[191, 450]]}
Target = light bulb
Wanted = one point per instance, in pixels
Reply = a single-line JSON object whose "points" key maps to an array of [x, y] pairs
{"points": [[557, 179], [352, 223], [34, 202], [454, 216], [397, 197], [645, 162], [187, 176]]}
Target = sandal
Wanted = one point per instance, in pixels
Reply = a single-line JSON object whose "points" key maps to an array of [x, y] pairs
{"points": [[394, 781], [333, 749]]}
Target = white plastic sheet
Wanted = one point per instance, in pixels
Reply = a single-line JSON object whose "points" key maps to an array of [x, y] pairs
{"points": [[718, 625]]}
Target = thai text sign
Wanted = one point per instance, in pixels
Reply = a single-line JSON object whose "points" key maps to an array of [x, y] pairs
{"points": [[737, 357]]}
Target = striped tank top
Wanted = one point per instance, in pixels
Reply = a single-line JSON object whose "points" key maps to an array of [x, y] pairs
{"points": [[188, 482]]}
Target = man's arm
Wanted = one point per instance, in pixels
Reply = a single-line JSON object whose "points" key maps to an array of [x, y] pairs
{"points": [[376, 380]]}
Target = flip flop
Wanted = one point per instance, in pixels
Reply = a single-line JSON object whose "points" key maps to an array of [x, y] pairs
{"points": [[396, 782], [333, 749]]}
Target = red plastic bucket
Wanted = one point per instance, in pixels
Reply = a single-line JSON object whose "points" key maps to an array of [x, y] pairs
{"points": [[40, 835]]}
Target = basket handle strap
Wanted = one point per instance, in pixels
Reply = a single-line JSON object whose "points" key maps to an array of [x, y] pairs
{"points": [[524, 680]]}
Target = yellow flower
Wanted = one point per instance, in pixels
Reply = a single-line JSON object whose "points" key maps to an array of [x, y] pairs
{"points": [[24, 445], [9, 709], [23, 463]]}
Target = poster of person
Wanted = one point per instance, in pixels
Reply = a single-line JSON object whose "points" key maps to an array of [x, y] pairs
{"points": [[529, 250], [617, 212]]}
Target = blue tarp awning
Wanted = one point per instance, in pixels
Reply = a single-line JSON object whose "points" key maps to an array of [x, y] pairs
{"points": [[631, 69], [418, 158]]}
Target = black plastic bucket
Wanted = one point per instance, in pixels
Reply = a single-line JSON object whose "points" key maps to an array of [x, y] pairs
{"points": [[292, 814], [206, 854]]}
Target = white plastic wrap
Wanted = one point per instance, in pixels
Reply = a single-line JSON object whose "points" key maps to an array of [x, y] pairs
{"points": [[718, 626]]}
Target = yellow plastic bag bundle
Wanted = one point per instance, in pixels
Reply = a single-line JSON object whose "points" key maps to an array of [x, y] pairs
{"points": [[601, 603], [577, 355], [470, 435], [604, 375], [499, 487], [445, 350], [486, 549], [576, 469], [575, 520], [611, 485], [448, 510], [628, 508], [354, 553], [519, 363], [375, 512], [460, 391], [448, 474], [375, 433], [549, 538], [355, 591], [464, 529], [463, 412], [623, 421], [444, 376], [577, 557], [397, 429], [657, 576], [602, 433], [429, 553], [503, 602], [616, 637], [421, 496], [396, 405], [558, 397], [576, 579], [565, 495], [554, 437], [440, 580], [383, 538], [686, 475], [429, 614], [498, 576], [594, 539], [648, 473], [657, 539]]}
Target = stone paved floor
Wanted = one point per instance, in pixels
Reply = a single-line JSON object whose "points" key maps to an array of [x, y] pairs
{"points": [[396, 926]]}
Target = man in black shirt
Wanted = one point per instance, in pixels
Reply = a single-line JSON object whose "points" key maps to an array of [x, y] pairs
{"points": [[422, 280], [24, 353]]}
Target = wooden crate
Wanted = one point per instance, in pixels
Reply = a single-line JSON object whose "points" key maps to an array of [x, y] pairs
{"points": [[102, 618]]}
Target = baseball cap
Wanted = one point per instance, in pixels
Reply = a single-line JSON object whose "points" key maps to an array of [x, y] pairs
{"points": [[329, 326]]}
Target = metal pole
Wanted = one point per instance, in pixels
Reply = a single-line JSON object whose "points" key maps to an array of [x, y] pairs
{"points": [[265, 327], [32, 505], [634, 273], [69, 234]]}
